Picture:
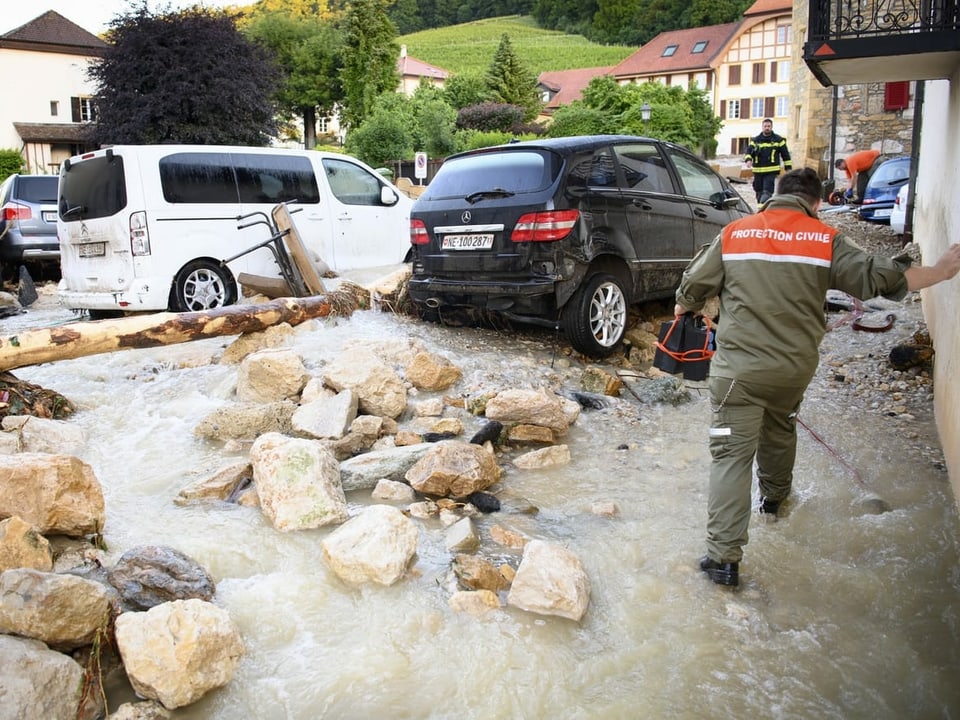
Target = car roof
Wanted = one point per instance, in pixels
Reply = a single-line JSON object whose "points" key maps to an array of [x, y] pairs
{"points": [[566, 145]]}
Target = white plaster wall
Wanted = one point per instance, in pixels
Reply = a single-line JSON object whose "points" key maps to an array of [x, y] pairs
{"points": [[33, 80], [937, 225]]}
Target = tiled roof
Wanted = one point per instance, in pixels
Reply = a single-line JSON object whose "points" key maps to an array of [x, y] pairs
{"points": [[769, 7], [650, 59], [568, 85], [411, 67], [52, 132], [52, 32]]}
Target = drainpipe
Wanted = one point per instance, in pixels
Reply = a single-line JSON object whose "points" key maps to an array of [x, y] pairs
{"points": [[914, 157], [833, 133]]}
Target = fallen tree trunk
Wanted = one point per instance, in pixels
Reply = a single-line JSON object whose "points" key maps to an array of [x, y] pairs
{"points": [[81, 339]]}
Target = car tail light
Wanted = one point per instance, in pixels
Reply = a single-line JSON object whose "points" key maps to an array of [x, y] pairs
{"points": [[139, 237], [868, 201], [12, 211], [545, 226], [418, 233]]}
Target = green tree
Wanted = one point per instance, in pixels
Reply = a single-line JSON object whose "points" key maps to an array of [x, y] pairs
{"points": [[461, 91], [187, 77], [370, 52], [308, 51], [578, 119], [11, 162], [509, 82], [435, 121], [381, 139]]}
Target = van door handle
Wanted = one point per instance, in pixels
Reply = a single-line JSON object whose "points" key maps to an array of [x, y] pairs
{"points": [[699, 213]]}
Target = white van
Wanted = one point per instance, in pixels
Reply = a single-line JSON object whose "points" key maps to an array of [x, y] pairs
{"points": [[146, 227]]}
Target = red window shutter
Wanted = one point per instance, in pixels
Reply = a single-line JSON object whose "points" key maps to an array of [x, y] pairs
{"points": [[769, 106], [745, 109], [896, 95], [723, 109], [734, 75]]}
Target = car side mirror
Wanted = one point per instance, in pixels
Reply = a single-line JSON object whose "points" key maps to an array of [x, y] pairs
{"points": [[387, 196], [721, 201]]}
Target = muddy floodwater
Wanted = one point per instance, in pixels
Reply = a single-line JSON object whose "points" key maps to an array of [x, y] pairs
{"points": [[849, 605]]}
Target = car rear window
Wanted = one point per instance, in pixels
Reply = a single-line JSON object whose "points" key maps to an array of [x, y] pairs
{"points": [[517, 172], [37, 189], [93, 188], [891, 172]]}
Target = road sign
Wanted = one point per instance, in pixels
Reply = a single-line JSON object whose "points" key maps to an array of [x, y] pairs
{"points": [[420, 165]]}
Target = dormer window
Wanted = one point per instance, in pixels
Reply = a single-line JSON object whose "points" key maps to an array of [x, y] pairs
{"points": [[669, 50], [699, 47]]}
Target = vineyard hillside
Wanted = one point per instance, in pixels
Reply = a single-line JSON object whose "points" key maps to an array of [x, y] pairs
{"points": [[468, 49]]}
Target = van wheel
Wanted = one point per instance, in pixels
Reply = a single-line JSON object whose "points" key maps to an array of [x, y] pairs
{"points": [[595, 318], [201, 285]]}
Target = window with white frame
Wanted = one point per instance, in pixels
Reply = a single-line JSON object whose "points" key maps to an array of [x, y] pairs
{"points": [[782, 106], [756, 107], [733, 109], [784, 34], [82, 109], [783, 71]]}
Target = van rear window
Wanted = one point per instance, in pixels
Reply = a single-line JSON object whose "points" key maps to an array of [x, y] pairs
{"points": [[217, 178], [93, 188]]}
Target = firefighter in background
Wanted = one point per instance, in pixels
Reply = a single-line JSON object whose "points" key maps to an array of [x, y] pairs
{"points": [[764, 155]]}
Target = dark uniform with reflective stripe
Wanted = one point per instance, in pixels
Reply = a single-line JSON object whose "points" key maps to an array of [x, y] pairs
{"points": [[766, 153], [772, 271]]}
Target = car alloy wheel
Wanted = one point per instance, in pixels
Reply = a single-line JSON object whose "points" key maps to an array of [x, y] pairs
{"points": [[595, 318]]}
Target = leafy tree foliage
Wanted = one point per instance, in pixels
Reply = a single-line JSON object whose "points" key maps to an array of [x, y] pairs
{"points": [[308, 51], [382, 138], [461, 91], [11, 162], [510, 82], [678, 115], [187, 77], [370, 58]]}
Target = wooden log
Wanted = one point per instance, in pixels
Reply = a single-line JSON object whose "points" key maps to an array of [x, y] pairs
{"points": [[80, 339]]}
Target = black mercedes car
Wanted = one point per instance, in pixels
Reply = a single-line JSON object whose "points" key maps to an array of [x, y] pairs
{"points": [[565, 232]]}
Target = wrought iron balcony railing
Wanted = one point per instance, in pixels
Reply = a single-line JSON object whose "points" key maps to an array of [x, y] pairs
{"points": [[851, 19]]}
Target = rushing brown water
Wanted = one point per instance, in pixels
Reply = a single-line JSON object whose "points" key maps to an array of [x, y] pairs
{"points": [[844, 611]]}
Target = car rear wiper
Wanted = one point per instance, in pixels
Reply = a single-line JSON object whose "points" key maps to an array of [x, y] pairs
{"points": [[481, 194], [76, 209]]}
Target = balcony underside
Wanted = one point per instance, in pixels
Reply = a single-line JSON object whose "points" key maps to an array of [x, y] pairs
{"points": [[909, 56]]}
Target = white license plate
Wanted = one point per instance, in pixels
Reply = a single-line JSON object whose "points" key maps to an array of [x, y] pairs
{"points": [[94, 249], [882, 213], [474, 241], [49, 216]]}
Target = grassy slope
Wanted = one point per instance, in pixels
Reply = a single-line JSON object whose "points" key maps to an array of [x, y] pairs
{"points": [[469, 48]]}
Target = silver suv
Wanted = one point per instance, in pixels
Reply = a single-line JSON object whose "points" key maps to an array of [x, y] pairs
{"points": [[28, 222]]}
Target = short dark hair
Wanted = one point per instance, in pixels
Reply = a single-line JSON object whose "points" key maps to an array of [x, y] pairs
{"points": [[839, 164], [802, 182], [767, 120]]}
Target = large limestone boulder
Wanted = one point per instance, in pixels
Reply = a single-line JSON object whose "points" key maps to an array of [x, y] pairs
{"points": [[375, 546], [21, 546], [271, 375], [57, 494], [37, 682], [64, 611], [177, 652], [298, 482], [378, 387], [534, 407], [45, 435], [551, 580], [454, 468], [246, 420], [429, 371]]}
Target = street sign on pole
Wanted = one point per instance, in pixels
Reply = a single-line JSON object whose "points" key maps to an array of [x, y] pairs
{"points": [[420, 166]]}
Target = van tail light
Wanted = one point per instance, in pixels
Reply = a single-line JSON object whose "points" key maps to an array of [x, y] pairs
{"points": [[13, 211], [139, 237], [545, 226], [418, 233]]}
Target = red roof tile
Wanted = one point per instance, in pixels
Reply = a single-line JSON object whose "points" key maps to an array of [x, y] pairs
{"points": [[411, 67], [568, 84], [649, 60], [769, 7]]}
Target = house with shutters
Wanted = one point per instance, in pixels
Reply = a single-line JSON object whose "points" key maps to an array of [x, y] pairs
{"points": [[44, 117]]}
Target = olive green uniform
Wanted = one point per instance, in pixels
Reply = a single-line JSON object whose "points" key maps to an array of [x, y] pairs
{"points": [[768, 336]]}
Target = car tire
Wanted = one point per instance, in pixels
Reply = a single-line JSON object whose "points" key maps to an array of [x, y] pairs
{"points": [[595, 318], [202, 285]]}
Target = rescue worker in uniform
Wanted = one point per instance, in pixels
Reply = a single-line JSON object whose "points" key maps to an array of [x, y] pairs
{"points": [[772, 271], [764, 155]]}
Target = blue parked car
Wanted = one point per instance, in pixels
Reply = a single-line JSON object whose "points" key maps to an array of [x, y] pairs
{"points": [[882, 188]]}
